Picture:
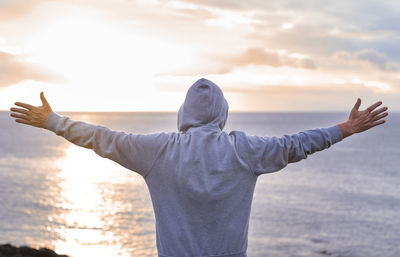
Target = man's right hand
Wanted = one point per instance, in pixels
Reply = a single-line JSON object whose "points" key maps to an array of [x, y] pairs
{"points": [[360, 121], [32, 115]]}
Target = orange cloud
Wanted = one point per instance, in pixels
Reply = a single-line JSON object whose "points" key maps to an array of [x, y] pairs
{"points": [[251, 56], [259, 56], [10, 9], [14, 70]]}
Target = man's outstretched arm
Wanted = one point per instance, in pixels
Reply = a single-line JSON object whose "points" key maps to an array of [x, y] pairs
{"points": [[270, 154], [135, 152]]}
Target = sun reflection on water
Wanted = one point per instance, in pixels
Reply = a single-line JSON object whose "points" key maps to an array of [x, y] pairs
{"points": [[96, 220]]}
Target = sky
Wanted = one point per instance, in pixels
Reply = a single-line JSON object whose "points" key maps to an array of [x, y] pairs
{"points": [[143, 55]]}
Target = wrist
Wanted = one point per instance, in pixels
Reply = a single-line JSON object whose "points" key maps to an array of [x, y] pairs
{"points": [[52, 121], [346, 129]]}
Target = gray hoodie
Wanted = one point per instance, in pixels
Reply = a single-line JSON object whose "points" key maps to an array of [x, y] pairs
{"points": [[201, 180]]}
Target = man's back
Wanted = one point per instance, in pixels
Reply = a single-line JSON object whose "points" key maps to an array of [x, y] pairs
{"points": [[201, 190]]}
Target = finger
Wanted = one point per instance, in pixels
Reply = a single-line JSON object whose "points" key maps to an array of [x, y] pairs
{"points": [[23, 122], [378, 123], [372, 107], [27, 106], [23, 111], [376, 112], [19, 116], [358, 103], [380, 116], [44, 100]]}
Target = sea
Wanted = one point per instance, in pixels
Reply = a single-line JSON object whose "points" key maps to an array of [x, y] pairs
{"points": [[340, 202]]}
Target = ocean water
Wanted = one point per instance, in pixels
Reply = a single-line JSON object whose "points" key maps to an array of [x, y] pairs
{"points": [[344, 201]]}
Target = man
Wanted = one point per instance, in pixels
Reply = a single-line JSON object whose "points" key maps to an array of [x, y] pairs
{"points": [[201, 180]]}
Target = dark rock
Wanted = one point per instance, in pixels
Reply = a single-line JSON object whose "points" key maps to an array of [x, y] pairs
{"points": [[27, 251], [45, 252], [7, 250]]}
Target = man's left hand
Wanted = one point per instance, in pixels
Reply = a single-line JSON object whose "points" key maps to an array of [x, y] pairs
{"points": [[32, 115]]}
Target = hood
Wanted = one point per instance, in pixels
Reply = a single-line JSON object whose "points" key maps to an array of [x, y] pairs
{"points": [[204, 105]]}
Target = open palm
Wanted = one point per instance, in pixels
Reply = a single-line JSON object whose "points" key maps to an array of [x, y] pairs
{"points": [[32, 115], [360, 121]]}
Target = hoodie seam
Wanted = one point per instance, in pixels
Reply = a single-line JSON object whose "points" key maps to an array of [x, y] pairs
{"points": [[247, 157], [252, 170], [157, 155]]}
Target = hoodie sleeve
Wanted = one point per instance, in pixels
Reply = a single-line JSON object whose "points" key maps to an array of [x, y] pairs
{"points": [[135, 152], [272, 154]]}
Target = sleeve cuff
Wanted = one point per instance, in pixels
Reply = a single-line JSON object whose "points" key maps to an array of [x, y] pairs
{"points": [[52, 121], [335, 134]]}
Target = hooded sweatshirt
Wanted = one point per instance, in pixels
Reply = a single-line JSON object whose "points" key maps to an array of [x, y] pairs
{"points": [[201, 179]]}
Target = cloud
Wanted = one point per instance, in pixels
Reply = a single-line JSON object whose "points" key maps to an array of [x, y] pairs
{"points": [[378, 59], [320, 28], [260, 56], [215, 64], [371, 13], [10, 9], [14, 70], [369, 56]]}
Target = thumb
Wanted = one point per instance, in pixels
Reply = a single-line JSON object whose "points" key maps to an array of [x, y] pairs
{"points": [[44, 101], [357, 105]]}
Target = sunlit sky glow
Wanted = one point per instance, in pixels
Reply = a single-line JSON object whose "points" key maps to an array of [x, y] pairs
{"points": [[143, 55]]}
